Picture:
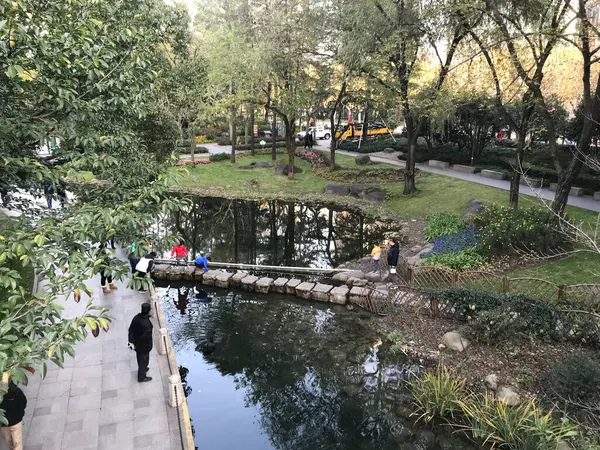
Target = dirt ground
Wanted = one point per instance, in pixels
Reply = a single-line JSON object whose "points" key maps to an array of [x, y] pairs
{"points": [[521, 362]]}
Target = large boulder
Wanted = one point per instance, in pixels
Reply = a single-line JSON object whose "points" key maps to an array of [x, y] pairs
{"points": [[338, 189], [375, 196], [373, 276], [283, 169], [491, 381], [362, 160], [264, 164], [388, 150], [507, 395], [454, 341], [474, 208]]}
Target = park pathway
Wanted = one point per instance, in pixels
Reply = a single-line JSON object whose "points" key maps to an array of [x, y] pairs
{"points": [[585, 202], [95, 402]]}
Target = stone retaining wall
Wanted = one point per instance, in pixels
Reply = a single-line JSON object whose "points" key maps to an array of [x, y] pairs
{"points": [[463, 168], [494, 175], [438, 164], [355, 287]]}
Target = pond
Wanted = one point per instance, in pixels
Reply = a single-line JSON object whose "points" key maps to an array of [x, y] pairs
{"points": [[269, 372], [274, 232]]}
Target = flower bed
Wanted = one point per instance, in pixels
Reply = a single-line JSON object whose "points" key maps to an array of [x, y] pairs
{"points": [[183, 162], [314, 159]]}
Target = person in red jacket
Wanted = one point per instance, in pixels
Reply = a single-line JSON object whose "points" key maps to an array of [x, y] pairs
{"points": [[180, 252]]}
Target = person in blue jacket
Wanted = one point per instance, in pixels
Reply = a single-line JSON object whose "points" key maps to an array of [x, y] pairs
{"points": [[202, 261]]}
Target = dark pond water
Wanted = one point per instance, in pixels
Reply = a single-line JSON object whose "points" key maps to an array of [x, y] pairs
{"points": [[276, 233], [268, 372]]}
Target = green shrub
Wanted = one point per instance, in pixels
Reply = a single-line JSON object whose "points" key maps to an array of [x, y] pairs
{"points": [[201, 149], [437, 395], [527, 315], [216, 157], [575, 379], [492, 326], [464, 260], [439, 224], [505, 230], [521, 427], [360, 175]]}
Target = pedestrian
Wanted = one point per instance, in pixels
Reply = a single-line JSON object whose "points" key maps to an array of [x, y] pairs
{"points": [[133, 259], [306, 139], [393, 253], [376, 256], [61, 192], [49, 192], [140, 340], [180, 252], [144, 267], [201, 261], [13, 403], [111, 241], [310, 140], [106, 280]]}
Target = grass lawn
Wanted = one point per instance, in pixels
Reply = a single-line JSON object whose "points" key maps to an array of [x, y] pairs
{"points": [[436, 192], [579, 268]]}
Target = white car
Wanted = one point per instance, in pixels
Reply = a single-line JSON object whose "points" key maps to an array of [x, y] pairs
{"points": [[322, 132]]}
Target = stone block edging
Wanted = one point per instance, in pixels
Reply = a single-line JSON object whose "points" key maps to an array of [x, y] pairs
{"points": [[596, 196], [463, 168], [438, 164], [493, 174]]}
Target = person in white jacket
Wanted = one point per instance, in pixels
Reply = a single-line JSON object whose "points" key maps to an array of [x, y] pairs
{"points": [[144, 267]]}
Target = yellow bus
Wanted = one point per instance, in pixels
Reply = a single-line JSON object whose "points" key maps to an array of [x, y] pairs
{"points": [[354, 130]]}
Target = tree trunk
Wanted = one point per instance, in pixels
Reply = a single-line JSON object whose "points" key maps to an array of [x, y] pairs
{"points": [[246, 125], [412, 130], [193, 142], [252, 152], [333, 125], [515, 180], [274, 137], [232, 136], [290, 145], [565, 180], [290, 235]]}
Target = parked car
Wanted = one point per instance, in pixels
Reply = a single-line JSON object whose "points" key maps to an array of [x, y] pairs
{"points": [[322, 132]]}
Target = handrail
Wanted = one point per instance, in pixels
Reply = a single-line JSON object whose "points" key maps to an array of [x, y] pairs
{"points": [[224, 265]]}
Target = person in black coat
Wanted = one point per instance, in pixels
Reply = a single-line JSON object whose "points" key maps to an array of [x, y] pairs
{"points": [[140, 340], [393, 253], [13, 403]]}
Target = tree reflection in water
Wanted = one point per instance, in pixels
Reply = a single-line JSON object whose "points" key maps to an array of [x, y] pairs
{"points": [[274, 232], [310, 371]]}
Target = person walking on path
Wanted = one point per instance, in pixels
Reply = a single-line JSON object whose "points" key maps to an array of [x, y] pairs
{"points": [[13, 403], [180, 252], [393, 253], [144, 267], [49, 192], [201, 261], [140, 340], [376, 256], [133, 259], [106, 280]]}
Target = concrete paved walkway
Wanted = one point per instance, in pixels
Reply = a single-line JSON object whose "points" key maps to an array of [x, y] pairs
{"points": [[95, 402], [585, 202]]}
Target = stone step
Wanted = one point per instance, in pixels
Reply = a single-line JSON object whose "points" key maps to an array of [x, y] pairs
{"points": [[188, 273], [320, 292], [210, 277], [249, 282], [236, 279], [279, 285], [303, 290], [263, 285], [339, 295], [290, 287], [222, 279], [358, 293]]}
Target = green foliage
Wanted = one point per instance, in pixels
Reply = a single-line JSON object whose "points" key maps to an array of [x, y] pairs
{"points": [[436, 395], [464, 260], [576, 379], [493, 326], [439, 224], [201, 149], [396, 339], [505, 230], [216, 157], [521, 427]]}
